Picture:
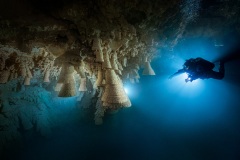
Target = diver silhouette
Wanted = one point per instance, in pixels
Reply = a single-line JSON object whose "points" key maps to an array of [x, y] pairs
{"points": [[200, 68]]}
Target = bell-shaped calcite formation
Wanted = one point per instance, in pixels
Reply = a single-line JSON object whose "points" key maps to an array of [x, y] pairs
{"points": [[148, 69], [106, 63], [114, 95], [3, 57], [116, 41], [103, 82], [97, 49], [29, 74], [124, 62], [133, 75], [66, 73], [111, 77], [120, 67], [4, 75], [46, 76], [67, 90], [61, 77], [82, 73], [68, 87], [25, 64], [99, 56], [92, 81], [23, 70], [83, 85], [58, 87], [88, 68], [96, 44], [114, 61], [27, 81], [81, 69], [99, 77], [47, 66]]}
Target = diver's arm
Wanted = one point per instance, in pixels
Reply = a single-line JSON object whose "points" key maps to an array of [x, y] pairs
{"points": [[180, 71]]}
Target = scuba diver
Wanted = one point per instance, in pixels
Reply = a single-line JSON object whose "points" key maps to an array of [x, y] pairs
{"points": [[200, 68]]}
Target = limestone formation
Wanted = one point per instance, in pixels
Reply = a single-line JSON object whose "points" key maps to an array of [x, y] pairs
{"points": [[68, 82], [114, 96]]}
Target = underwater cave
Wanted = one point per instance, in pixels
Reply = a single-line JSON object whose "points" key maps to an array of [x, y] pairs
{"points": [[94, 79]]}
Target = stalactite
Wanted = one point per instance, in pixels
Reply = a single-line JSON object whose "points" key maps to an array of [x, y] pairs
{"points": [[68, 87], [83, 85], [114, 95], [4, 75]]}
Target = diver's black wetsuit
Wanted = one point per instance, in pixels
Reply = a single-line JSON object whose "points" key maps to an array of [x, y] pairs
{"points": [[200, 68]]}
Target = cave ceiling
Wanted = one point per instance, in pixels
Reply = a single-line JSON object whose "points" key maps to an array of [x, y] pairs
{"points": [[94, 37], [62, 25]]}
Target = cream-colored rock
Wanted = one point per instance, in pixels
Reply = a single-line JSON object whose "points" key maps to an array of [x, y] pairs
{"points": [[4, 75], [83, 85], [3, 58], [114, 61], [58, 87], [46, 76], [99, 56], [67, 90], [106, 63], [99, 77], [67, 80], [114, 95], [148, 69], [27, 81]]}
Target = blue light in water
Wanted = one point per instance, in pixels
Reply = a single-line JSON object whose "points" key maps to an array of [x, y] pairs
{"points": [[126, 90], [184, 76], [131, 90], [178, 85]]}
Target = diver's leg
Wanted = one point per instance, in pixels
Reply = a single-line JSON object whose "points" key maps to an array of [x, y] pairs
{"points": [[222, 68], [220, 74]]}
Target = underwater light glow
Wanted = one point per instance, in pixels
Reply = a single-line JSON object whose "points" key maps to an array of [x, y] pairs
{"points": [[185, 77], [126, 90], [177, 85], [131, 90]]}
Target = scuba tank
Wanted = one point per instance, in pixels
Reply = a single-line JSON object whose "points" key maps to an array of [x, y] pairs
{"points": [[197, 68], [204, 64]]}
